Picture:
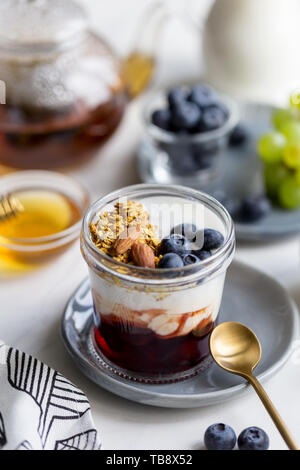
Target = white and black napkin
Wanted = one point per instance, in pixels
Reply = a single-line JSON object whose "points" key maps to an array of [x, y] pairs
{"points": [[40, 409]]}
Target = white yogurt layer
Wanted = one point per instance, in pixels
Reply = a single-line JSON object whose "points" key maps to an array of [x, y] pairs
{"points": [[151, 306]]}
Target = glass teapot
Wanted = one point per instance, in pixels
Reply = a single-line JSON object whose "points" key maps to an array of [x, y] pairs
{"points": [[66, 91]]}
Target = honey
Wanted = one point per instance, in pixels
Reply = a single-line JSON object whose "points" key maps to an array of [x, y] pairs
{"points": [[46, 213], [138, 70]]}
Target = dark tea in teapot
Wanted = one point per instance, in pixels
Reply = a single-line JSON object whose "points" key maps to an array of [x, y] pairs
{"points": [[65, 95]]}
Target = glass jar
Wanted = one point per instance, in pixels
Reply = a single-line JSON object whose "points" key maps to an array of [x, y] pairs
{"points": [[64, 91], [153, 325], [193, 160]]}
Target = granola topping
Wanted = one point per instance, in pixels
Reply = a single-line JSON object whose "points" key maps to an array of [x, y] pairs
{"points": [[118, 224]]}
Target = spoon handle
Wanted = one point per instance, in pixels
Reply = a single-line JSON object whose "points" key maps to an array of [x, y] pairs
{"points": [[273, 412]]}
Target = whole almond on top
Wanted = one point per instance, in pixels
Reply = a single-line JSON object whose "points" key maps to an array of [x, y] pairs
{"points": [[126, 239], [142, 255]]}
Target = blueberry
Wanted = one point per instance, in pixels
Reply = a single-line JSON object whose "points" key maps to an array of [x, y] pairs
{"points": [[181, 158], [176, 95], [190, 259], [162, 118], [238, 136], [206, 148], [202, 254], [204, 161], [253, 439], [212, 239], [203, 96], [187, 230], [254, 208], [223, 108], [219, 437], [170, 260], [212, 118], [185, 115], [205, 154], [175, 243], [230, 204], [184, 164]]}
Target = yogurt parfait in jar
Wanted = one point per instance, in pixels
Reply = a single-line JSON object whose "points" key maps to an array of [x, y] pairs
{"points": [[157, 258]]}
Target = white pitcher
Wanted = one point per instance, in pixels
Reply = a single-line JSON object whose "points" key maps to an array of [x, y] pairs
{"points": [[251, 48]]}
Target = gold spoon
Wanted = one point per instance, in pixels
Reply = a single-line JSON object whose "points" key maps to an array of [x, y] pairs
{"points": [[237, 350]]}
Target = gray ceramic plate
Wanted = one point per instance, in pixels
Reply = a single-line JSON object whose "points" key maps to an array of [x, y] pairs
{"points": [[242, 174], [250, 297]]}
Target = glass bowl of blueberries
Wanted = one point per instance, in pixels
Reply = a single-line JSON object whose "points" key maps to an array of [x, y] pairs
{"points": [[187, 130]]}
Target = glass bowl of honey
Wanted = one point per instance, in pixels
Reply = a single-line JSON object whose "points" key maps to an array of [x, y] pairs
{"points": [[40, 217]]}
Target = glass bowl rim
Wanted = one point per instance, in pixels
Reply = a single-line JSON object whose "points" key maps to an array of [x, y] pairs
{"points": [[22, 244]]}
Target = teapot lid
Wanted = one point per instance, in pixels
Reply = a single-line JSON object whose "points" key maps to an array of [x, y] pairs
{"points": [[40, 23]]}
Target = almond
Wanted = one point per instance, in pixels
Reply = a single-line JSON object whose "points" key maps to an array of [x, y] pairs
{"points": [[126, 239], [143, 255]]}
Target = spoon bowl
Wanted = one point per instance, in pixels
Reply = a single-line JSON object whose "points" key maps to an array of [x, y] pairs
{"points": [[235, 348]]}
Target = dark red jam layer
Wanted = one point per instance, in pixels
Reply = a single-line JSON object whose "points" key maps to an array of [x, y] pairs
{"points": [[140, 350]]}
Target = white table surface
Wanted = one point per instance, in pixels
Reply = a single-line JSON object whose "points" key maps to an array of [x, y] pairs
{"points": [[31, 307]]}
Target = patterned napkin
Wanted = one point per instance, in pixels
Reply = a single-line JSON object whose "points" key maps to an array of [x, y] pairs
{"points": [[40, 409]]}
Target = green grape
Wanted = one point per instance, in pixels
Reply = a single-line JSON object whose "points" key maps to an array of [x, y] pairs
{"points": [[291, 130], [270, 146], [291, 156], [289, 193], [297, 176], [295, 100], [274, 175], [281, 117]]}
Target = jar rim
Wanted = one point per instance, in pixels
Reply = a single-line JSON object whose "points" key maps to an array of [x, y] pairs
{"points": [[157, 276]]}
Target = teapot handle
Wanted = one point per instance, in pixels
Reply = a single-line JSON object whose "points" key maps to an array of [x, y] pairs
{"points": [[138, 68]]}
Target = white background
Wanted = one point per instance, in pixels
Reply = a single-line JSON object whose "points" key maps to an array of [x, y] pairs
{"points": [[31, 307]]}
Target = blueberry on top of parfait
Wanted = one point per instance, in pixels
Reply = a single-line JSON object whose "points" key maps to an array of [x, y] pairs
{"points": [[187, 230], [170, 260], [201, 254], [190, 259], [213, 239], [175, 243]]}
